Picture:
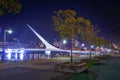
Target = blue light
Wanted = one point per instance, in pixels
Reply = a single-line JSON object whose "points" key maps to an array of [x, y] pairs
{"points": [[47, 52], [21, 56], [21, 51], [8, 51], [16, 56], [15, 51], [1, 49], [101, 48], [9, 56]]}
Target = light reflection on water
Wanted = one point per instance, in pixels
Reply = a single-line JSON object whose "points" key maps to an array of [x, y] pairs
{"points": [[23, 56], [19, 57], [30, 55]]}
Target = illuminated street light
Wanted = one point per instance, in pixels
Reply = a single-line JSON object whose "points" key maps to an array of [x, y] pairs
{"points": [[97, 46], [9, 31], [92, 46], [101, 48], [83, 45], [64, 41]]}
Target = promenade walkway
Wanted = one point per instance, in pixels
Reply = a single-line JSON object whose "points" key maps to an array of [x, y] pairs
{"points": [[43, 70], [28, 70]]}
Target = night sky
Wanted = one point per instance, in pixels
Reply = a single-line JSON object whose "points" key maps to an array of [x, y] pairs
{"points": [[37, 13]]}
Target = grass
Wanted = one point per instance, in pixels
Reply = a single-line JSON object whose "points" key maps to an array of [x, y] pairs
{"points": [[90, 64], [83, 76]]}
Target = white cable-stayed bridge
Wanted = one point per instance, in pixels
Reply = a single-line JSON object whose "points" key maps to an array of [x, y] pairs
{"points": [[48, 48]]}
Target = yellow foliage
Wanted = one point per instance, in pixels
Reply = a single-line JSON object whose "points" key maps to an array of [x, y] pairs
{"points": [[12, 6]]}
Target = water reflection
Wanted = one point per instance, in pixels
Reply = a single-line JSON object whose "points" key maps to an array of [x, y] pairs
{"points": [[30, 55], [22, 56]]}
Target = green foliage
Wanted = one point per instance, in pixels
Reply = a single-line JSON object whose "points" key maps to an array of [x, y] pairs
{"points": [[1, 12], [68, 25], [90, 64], [64, 21], [82, 76], [9, 6], [90, 33], [100, 41]]}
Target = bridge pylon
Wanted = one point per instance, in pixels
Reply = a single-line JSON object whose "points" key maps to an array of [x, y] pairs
{"points": [[47, 45]]}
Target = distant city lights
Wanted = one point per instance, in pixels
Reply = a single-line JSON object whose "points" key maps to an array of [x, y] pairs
{"points": [[83, 45], [92, 46]]}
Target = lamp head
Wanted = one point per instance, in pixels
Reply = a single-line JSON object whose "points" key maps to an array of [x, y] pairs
{"points": [[9, 31]]}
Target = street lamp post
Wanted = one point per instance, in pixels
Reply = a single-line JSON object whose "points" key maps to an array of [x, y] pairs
{"points": [[82, 48], [4, 42]]}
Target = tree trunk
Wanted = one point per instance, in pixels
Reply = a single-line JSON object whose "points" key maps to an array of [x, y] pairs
{"points": [[90, 55], [71, 57], [99, 52], [90, 51]]}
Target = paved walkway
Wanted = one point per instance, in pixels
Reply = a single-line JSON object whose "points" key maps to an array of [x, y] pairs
{"points": [[32, 70], [28, 70], [43, 70], [27, 64], [108, 70]]}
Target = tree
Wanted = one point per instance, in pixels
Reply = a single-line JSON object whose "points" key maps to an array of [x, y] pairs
{"points": [[68, 25], [97, 41], [101, 42], [85, 23], [90, 33], [9, 6], [106, 43]]}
